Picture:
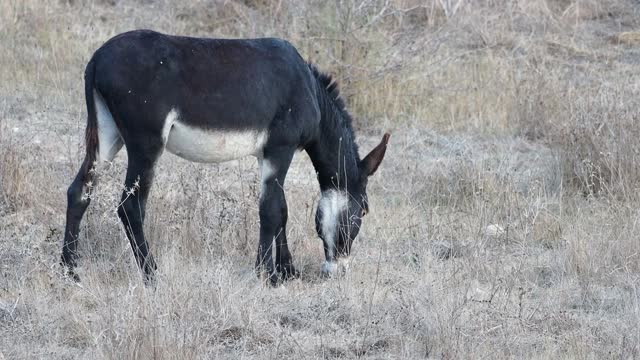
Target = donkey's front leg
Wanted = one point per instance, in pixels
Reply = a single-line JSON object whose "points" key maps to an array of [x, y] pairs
{"points": [[284, 261], [273, 211]]}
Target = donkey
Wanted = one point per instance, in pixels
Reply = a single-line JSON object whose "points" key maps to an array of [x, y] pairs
{"points": [[214, 100]]}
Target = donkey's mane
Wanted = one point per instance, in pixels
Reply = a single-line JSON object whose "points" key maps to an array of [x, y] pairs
{"points": [[331, 86], [337, 120]]}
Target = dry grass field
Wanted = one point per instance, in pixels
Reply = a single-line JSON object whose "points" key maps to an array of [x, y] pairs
{"points": [[504, 220]]}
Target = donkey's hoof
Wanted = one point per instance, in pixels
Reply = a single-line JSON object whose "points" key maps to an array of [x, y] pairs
{"points": [[73, 276], [288, 272], [70, 273], [150, 281], [272, 279]]}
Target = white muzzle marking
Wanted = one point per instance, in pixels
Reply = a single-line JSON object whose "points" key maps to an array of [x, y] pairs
{"points": [[335, 268], [332, 204]]}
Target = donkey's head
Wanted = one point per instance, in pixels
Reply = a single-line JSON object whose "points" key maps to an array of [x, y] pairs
{"points": [[340, 211]]}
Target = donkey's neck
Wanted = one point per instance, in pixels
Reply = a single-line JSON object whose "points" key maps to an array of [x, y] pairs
{"points": [[334, 152]]}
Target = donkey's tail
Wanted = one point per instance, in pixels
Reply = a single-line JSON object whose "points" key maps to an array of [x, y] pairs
{"points": [[91, 133]]}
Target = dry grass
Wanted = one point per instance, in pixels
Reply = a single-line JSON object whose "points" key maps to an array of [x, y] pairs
{"points": [[504, 220]]}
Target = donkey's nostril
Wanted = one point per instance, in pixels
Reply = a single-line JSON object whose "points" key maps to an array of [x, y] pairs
{"points": [[329, 268], [335, 268]]}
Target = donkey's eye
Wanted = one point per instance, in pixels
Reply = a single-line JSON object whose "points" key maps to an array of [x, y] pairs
{"points": [[363, 212]]}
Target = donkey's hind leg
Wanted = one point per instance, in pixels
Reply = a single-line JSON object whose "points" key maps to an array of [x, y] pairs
{"points": [[78, 199], [103, 143], [132, 206]]}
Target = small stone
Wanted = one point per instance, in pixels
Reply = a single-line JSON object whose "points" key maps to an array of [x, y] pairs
{"points": [[444, 250], [494, 230]]}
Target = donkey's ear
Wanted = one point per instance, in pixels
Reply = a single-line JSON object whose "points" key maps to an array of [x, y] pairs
{"points": [[371, 162]]}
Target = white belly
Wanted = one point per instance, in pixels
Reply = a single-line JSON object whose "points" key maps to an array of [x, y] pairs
{"points": [[201, 145]]}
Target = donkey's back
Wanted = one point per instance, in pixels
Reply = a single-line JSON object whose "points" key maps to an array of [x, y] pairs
{"points": [[223, 84]]}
